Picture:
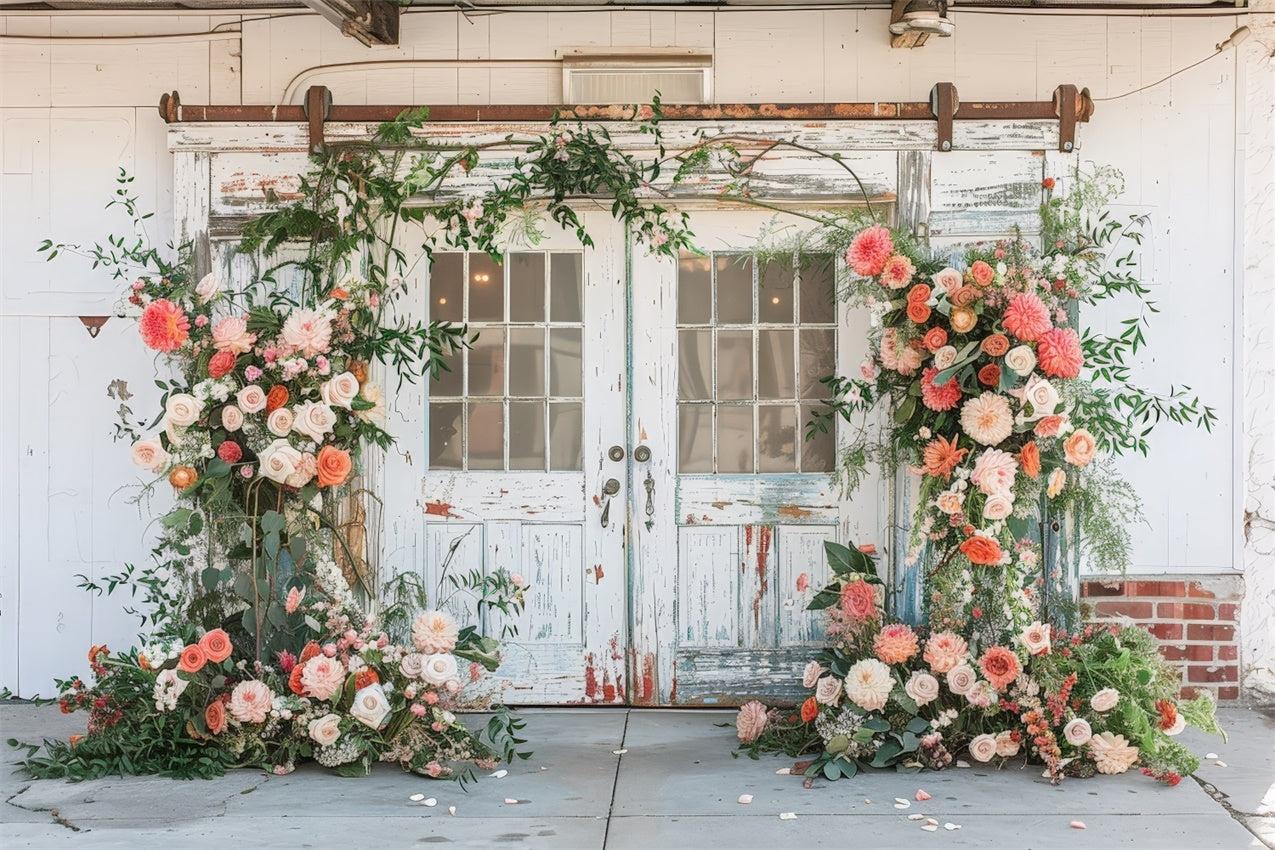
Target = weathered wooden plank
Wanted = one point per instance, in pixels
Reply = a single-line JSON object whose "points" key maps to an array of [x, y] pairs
{"points": [[800, 553], [795, 499], [734, 676], [708, 586]]}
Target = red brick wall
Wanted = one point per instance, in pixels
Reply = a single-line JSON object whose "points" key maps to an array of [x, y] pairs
{"points": [[1196, 619]]}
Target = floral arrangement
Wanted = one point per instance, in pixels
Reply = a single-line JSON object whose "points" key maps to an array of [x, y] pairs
{"points": [[885, 693]]}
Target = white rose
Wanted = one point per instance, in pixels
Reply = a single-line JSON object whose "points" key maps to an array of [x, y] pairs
{"points": [[997, 507], [1021, 360], [182, 410], [412, 665], [438, 668], [983, 748], [829, 690], [280, 422], [370, 706], [1042, 397], [278, 461], [944, 357], [1105, 699], [961, 679], [922, 687], [149, 454], [1179, 723], [208, 287], [1077, 732], [313, 419], [810, 677], [1036, 638], [252, 399], [325, 730], [340, 391], [231, 418]]}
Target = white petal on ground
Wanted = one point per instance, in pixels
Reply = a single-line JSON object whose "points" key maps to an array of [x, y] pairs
{"points": [[510, 801], [931, 822], [451, 810], [618, 752], [431, 802], [1210, 755], [949, 826], [745, 799], [1220, 763], [1077, 824], [416, 798], [787, 815], [501, 774], [916, 817], [962, 763], [784, 771], [930, 827]]}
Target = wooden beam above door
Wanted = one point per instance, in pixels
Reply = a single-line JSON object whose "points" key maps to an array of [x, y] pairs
{"points": [[373, 22]]}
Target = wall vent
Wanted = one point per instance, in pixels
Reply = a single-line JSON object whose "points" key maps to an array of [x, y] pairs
{"points": [[632, 77]]}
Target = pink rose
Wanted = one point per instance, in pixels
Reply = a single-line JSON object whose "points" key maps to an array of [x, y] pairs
{"points": [[950, 279], [231, 418], [829, 691], [149, 454], [810, 676], [314, 419], [252, 399], [1035, 638], [1077, 732], [280, 422], [961, 679], [983, 748], [750, 722], [922, 687]]}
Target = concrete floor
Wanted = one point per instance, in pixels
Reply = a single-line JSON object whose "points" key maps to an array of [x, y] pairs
{"points": [[644, 779]]}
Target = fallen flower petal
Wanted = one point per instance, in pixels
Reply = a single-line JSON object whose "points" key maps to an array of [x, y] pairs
{"points": [[1077, 824], [416, 798], [916, 817], [431, 802], [745, 799], [451, 810], [922, 795], [510, 801], [930, 827], [949, 826], [501, 774], [783, 771], [787, 815]]}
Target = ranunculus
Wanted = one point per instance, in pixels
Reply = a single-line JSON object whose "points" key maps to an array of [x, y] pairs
{"points": [[990, 375], [945, 650], [322, 677], [868, 684], [895, 643], [810, 676], [412, 665], [1000, 666], [280, 422], [961, 678], [279, 460], [995, 345], [182, 410], [192, 659], [221, 364], [950, 502], [325, 730], [982, 273], [859, 600], [963, 319], [340, 391], [208, 287], [1036, 638], [982, 550], [232, 334], [1104, 700], [750, 722], [304, 472], [370, 706], [215, 717], [934, 339], [1006, 745], [438, 668], [828, 691], [997, 507], [1080, 447], [919, 312], [922, 687], [308, 331], [1077, 732], [1021, 360], [182, 477], [897, 273], [333, 466], [964, 296], [252, 399], [1112, 753], [987, 419], [149, 454], [994, 472], [250, 702], [231, 418], [919, 293], [949, 278], [435, 632], [216, 645], [983, 748], [276, 398], [314, 419], [1041, 395]]}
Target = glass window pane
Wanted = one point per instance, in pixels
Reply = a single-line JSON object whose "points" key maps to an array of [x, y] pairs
{"points": [[694, 290], [735, 364], [486, 289], [818, 360], [526, 361], [526, 435], [695, 364], [818, 290], [565, 362], [776, 372], [776, 438], [774, 292], [734, 289], [819, 453], [487, 363], [695, 437], [734, 438], [566, 429], [447, 299], [566, 279], [526, 287], [445, 435], [487, 435], [453, 382]]}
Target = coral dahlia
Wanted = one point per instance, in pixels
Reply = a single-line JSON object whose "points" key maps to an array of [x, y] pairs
{"points": [[939, 397], [1027, 317], [164, 326], [898, 273], [895, 643], [1059, 353], [869, 251], [940, 457]]}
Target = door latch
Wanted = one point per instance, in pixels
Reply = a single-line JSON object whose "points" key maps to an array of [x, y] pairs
{"points": [[609, 490]]}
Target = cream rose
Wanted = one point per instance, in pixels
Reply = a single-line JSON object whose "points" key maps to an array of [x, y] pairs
{"points": [[961, 678], [313, 419], [1057, 480], [949, 278], [412, 665], [810, 677], [325, 730], [1042, 397], [922, 687], [944, 357], [1021, 360], [231, 418], [950, 502], [438, 668], [1080, 447], [828, 691], [280, 422], [149, 454], [997, 507], [1105, 700], [370, 706], [305, 470], [252, 399], [279, 460], [983, 748], [1077, 732], [1006, 746], [182, 410], [1036, 638], [340, 391], [208, 287]]}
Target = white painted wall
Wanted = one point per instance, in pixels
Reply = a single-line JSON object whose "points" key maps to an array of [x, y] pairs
{"points": [[72, 113]]}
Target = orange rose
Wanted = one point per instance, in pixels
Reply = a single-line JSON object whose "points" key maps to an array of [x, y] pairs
{"points": [[809, 710], [143, 662], [868, 548], [919, 293], [276, 398], [339, 294], [963, 320], [333, 466], [96, 651], [363, 678], [996, 345], [310, 650], [192, 659], [982, 550], [965, 296], [1080, 447], [75, 739], [1048, 426], [935, 338], [358, 369], [918, 311], [990, 375], [294, 680], [215, 717], [183, 477], [1029, 458], [216, 645], [982, 273]]}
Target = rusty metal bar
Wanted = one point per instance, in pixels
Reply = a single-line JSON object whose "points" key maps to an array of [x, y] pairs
{"points": [[944, 103], [1069, 107]]}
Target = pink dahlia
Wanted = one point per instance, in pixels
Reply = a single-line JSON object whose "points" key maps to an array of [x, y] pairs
{"points": [[898, 273], [870, 250], [945, 650], [939, 398], [895, 643], [1058, 352], [994, 472], [1027, 317], [164, 326]]}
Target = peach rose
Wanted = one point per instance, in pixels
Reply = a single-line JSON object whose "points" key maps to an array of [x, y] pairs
{"points": [[1021, 359], [935, 338], [949, 278], [997, 507], [252, 399], [1104, 700], [208, 287], [1036, 638], [750, 722], [325, 730], [944, 357], [964, 297], [370, 706], [192, 659], [919, 312], [215, 717], [333, 466], [340, 391], [922, 687], [1006, 745], [231, 418], [314, 419], [982, 273], [1000, 666], [1078, 732], [1057, 480], [216, 645], [280, 422], [1049, 426], [963, 319], [828, 691], [1080, 447], [950, 502], [182, 477], [983, 748], [149, 454], [982, 550], [961, 679]]}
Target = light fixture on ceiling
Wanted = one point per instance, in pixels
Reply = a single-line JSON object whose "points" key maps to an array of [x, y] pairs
{"points": [[912, 22]]}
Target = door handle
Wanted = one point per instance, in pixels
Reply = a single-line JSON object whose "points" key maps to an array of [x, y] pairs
{"points": [[609, 489], [641, 454]]}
